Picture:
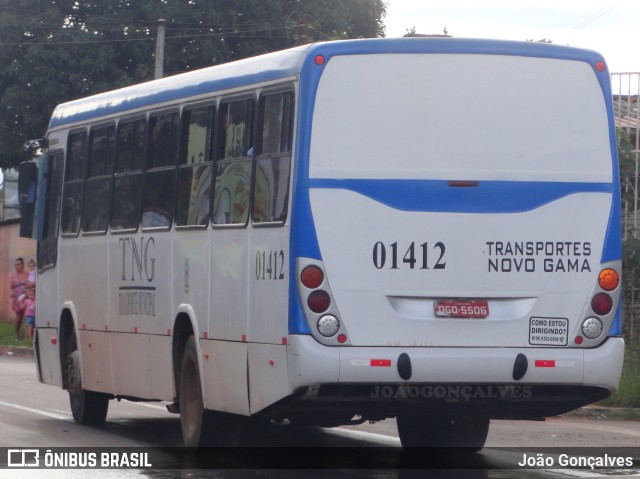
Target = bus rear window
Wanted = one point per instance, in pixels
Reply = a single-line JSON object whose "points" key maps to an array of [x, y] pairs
{"points": [[460, 117]]}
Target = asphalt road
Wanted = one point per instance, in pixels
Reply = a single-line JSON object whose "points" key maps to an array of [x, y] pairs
{"points": [[33, 415]]}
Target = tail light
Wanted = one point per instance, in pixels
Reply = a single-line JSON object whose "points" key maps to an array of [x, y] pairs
{"points": [[319, 301], [328, 325], [592, 328], [312, 277], [608, 279], [602, 304], [315, 294]]}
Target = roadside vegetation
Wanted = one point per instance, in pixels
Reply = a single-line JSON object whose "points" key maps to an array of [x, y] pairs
{"points": [[7, 336], [628, 394]]}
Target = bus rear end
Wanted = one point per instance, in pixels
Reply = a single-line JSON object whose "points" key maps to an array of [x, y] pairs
{"points": [[455, 235]]}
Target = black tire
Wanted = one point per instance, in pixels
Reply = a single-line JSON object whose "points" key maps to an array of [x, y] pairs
{"points": [[89, 408], [200, 428], [193, 417], [442, 432], [205, 428]]}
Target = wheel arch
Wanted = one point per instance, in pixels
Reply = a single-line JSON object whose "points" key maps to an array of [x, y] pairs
{"points": [[67, 330], [183, 328]]}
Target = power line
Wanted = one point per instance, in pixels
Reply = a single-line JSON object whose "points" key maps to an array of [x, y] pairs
{"points": [[598, 14]]}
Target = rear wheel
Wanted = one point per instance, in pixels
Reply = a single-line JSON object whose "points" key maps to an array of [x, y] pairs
{"points": [[194, 420], [201, 427], [438, 432], [88, 407]]}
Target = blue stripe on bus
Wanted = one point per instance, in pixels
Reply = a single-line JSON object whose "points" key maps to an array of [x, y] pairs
{"points": [[455, 46], [438, 196]]}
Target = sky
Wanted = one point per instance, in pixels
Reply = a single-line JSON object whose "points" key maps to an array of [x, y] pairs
{"points": [[611, 27]]}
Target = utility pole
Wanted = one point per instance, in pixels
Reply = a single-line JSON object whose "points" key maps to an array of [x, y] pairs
{"points": [[159, 72], [303, 31]]}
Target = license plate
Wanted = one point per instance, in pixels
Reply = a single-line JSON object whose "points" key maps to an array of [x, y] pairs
{"points": [[460, 308]]}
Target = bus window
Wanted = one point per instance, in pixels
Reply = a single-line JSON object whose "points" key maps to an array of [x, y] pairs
{"points": [[233, 165], [128, 181], [74, 182], [194, 170], [95, 216], [273, 162], [157, 205]]}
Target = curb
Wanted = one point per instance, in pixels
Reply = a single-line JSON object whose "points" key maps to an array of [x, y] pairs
{"points": [[19, 351], [601, 412]]}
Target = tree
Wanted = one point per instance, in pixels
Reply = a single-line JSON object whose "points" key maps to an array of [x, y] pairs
{"points": [[58, 50], [631, 243]]}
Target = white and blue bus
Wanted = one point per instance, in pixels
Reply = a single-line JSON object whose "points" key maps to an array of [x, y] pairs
{"points": [[419, 228]]}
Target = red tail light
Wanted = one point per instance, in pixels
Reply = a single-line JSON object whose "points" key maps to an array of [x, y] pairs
{"points": [[312, 277], [602, 304], [319, 301]]}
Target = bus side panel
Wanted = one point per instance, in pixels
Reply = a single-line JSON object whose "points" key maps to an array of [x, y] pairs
{"points": [[268, 285], [131, 365], [140, 279], [162, 385], [268, 376], [95, 351], [191, 280], [48, 356], [47, 323], [228, 298], [224, 376], [83, 278], [142, 367]]}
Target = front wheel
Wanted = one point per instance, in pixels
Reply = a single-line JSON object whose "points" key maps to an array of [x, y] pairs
{"points": [[442, 432], [88, 407]]}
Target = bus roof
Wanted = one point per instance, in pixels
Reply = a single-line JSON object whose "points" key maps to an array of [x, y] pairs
{"points": [[286, 64], [263, 68]]}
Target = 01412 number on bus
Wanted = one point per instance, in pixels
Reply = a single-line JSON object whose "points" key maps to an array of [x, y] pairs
{"points": [[415, 256], [270, 265]]}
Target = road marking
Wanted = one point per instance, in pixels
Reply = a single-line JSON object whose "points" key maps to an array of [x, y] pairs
{"points": [[366, 436], [35, 411], [603, 473]]}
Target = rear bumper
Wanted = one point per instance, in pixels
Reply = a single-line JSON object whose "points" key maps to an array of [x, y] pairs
{"points": [[452, 380]]}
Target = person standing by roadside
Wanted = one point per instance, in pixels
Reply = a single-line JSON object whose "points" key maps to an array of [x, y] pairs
{"points": [[29, 307], [19, 279], [31, 281]]}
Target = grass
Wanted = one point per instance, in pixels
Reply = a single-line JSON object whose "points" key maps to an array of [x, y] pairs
{"points": [[7, 335], [628, 394]]}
